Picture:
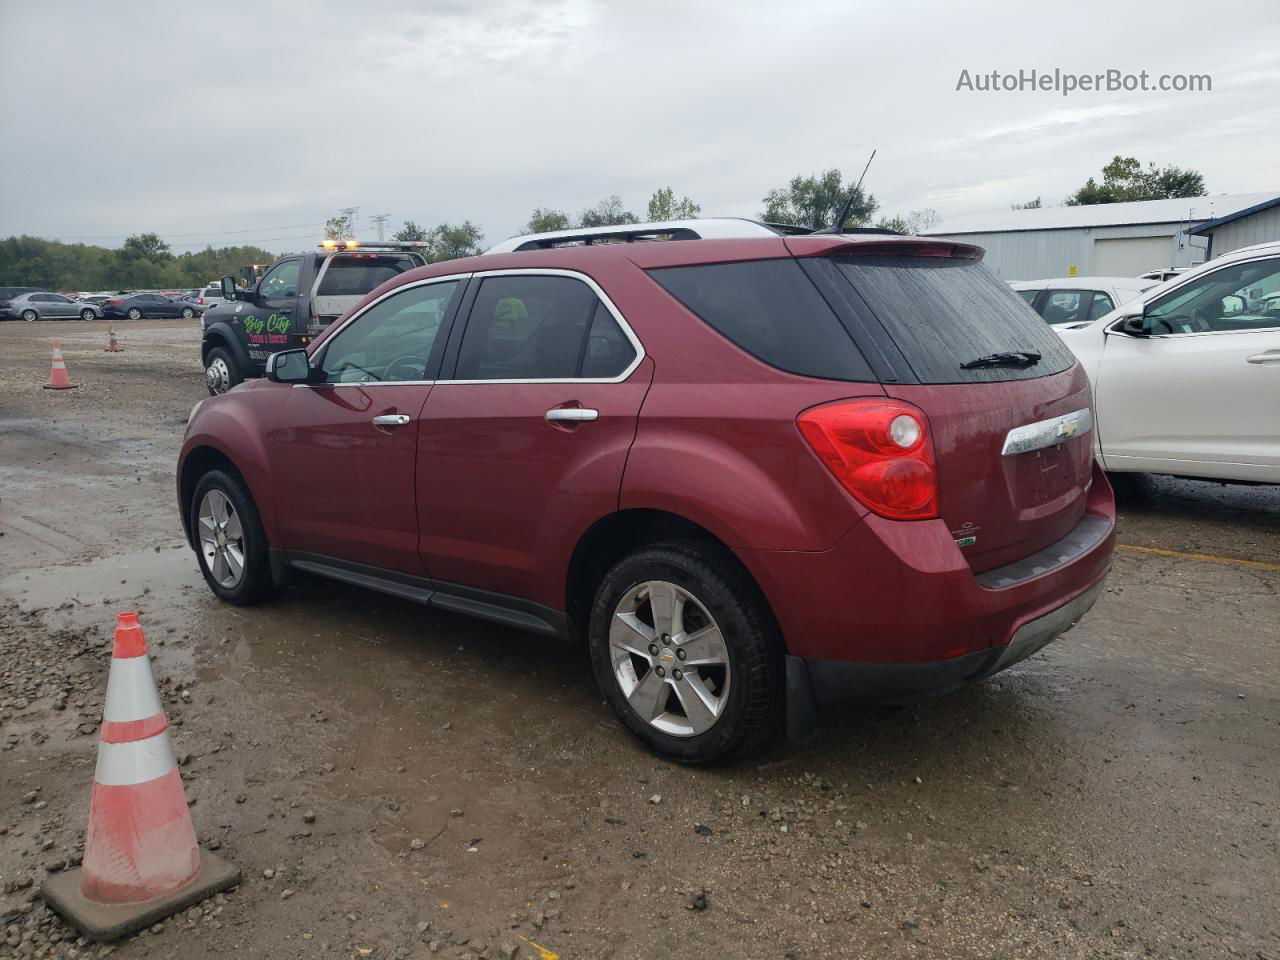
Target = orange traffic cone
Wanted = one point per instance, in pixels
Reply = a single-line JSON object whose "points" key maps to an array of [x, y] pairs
{"points": [[58, 379], [141, 862], [112, 345]]}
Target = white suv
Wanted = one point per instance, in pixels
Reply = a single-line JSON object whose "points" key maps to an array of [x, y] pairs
{"points": [[1185, 376]]}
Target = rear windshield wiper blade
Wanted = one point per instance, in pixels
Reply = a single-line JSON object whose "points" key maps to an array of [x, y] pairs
{"points": [[1014, 358]]}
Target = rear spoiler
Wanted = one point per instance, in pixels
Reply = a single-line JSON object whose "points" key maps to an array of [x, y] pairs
{"points": [[896, 245]]}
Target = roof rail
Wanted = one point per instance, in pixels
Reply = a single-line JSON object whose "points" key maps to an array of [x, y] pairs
{"points": [[710, 228]]}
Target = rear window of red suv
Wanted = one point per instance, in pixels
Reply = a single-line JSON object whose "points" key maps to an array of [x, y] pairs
{"points": [[942, 313], [773, 311]]}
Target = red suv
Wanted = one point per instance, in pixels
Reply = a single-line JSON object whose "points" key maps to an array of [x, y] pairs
{"points": [[758, 473]]}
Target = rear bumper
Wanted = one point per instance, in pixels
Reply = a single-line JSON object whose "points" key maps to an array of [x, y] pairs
{"points": [[894, 613], [832, 682]]}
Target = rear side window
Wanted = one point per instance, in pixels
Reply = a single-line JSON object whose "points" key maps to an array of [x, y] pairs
{"points": [[942, 313], [541, 328], [361, 274], [770, 309]]}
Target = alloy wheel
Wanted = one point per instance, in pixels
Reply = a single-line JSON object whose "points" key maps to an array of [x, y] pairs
{"points": [[134, 313], [87, 315], [669, 658], [29, 316], [221, 539]]}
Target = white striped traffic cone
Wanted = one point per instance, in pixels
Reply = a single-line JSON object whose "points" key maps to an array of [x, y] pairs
{"points": [[141, 861], [58, 377]]}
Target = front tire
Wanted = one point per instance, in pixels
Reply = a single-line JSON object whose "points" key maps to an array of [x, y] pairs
{"points": [[87, 315], [30, 316], [231, 544], [221, 372], [134, 313], [686, 653]]}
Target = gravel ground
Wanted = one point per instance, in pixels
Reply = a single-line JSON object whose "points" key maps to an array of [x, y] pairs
{"points": [[400, 782]]}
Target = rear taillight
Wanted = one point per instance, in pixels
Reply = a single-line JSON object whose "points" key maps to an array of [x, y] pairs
{"points": [[200, 300], [880, 451], [115, 303]]}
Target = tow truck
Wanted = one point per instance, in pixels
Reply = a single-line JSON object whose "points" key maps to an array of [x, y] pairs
{"points": [[293, 300]]}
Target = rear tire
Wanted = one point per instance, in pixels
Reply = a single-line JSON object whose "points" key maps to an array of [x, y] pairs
{"points": [[30, 316], [134, 313], [739, 704], [88, 315], [231, 544], [221, 372], [187, 313]]}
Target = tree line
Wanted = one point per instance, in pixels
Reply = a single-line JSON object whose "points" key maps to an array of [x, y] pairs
{"points": [[143, 261]]}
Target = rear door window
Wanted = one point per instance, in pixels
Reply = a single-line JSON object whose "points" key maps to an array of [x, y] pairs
{"points": [[358, 274], [944, 312], [771, 310], [1101, 305], [541, 328]]}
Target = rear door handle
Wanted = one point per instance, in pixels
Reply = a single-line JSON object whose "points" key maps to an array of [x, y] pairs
{"points": [[1270, 356], [391, 420], [572, 414]]}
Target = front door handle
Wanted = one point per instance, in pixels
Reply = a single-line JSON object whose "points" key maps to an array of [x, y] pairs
{"points": [[391, 420], [1270, 356], [572, 415]]}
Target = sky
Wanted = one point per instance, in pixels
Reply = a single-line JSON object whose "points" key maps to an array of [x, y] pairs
{"points": [[230, 122]]}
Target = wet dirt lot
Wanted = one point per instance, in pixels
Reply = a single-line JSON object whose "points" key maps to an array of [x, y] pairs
{"points": [[396, 781]]}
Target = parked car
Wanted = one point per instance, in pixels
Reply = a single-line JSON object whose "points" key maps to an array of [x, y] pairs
{"points": [[1065, 301], [96, 298], [293, 301], [148, 305], [1163, 274], [757, 475], [1186, 376], [209, 296], [47, 306]]}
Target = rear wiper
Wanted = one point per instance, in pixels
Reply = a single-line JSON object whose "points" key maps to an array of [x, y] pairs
{"points": [[1014, 358]]}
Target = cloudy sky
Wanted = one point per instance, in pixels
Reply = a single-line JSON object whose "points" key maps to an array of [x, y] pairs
{"points": [[252, 122]]}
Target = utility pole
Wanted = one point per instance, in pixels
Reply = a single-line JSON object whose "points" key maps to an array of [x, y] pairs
{"points": [[350, 214], [380, 220]]}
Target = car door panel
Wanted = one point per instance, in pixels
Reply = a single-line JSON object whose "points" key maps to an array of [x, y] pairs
{"points": [[1191, 404], [346, 462], [523, 445], [344, 487], [503, 491]]}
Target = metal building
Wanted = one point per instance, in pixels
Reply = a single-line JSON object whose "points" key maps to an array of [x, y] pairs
{"points": [[1257, 224], [1110, 239]]}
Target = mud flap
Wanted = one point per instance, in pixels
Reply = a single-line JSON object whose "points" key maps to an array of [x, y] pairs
{"points": [[802, 709]]}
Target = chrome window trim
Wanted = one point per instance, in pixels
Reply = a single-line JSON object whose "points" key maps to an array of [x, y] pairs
{"points": [[604, 298], [629, 333], [1047, 433]]}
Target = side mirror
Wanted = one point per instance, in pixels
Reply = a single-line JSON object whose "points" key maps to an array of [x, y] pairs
{"points": [[229, 291], [289, 366], [1132, 321]]}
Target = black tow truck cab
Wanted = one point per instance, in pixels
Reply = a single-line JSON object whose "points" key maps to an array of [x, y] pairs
{"points": [[292, 301]]}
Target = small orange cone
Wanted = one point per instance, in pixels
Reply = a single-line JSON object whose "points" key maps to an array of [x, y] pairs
{"points": [[141, 862], [112, 345], [58, 379]]}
